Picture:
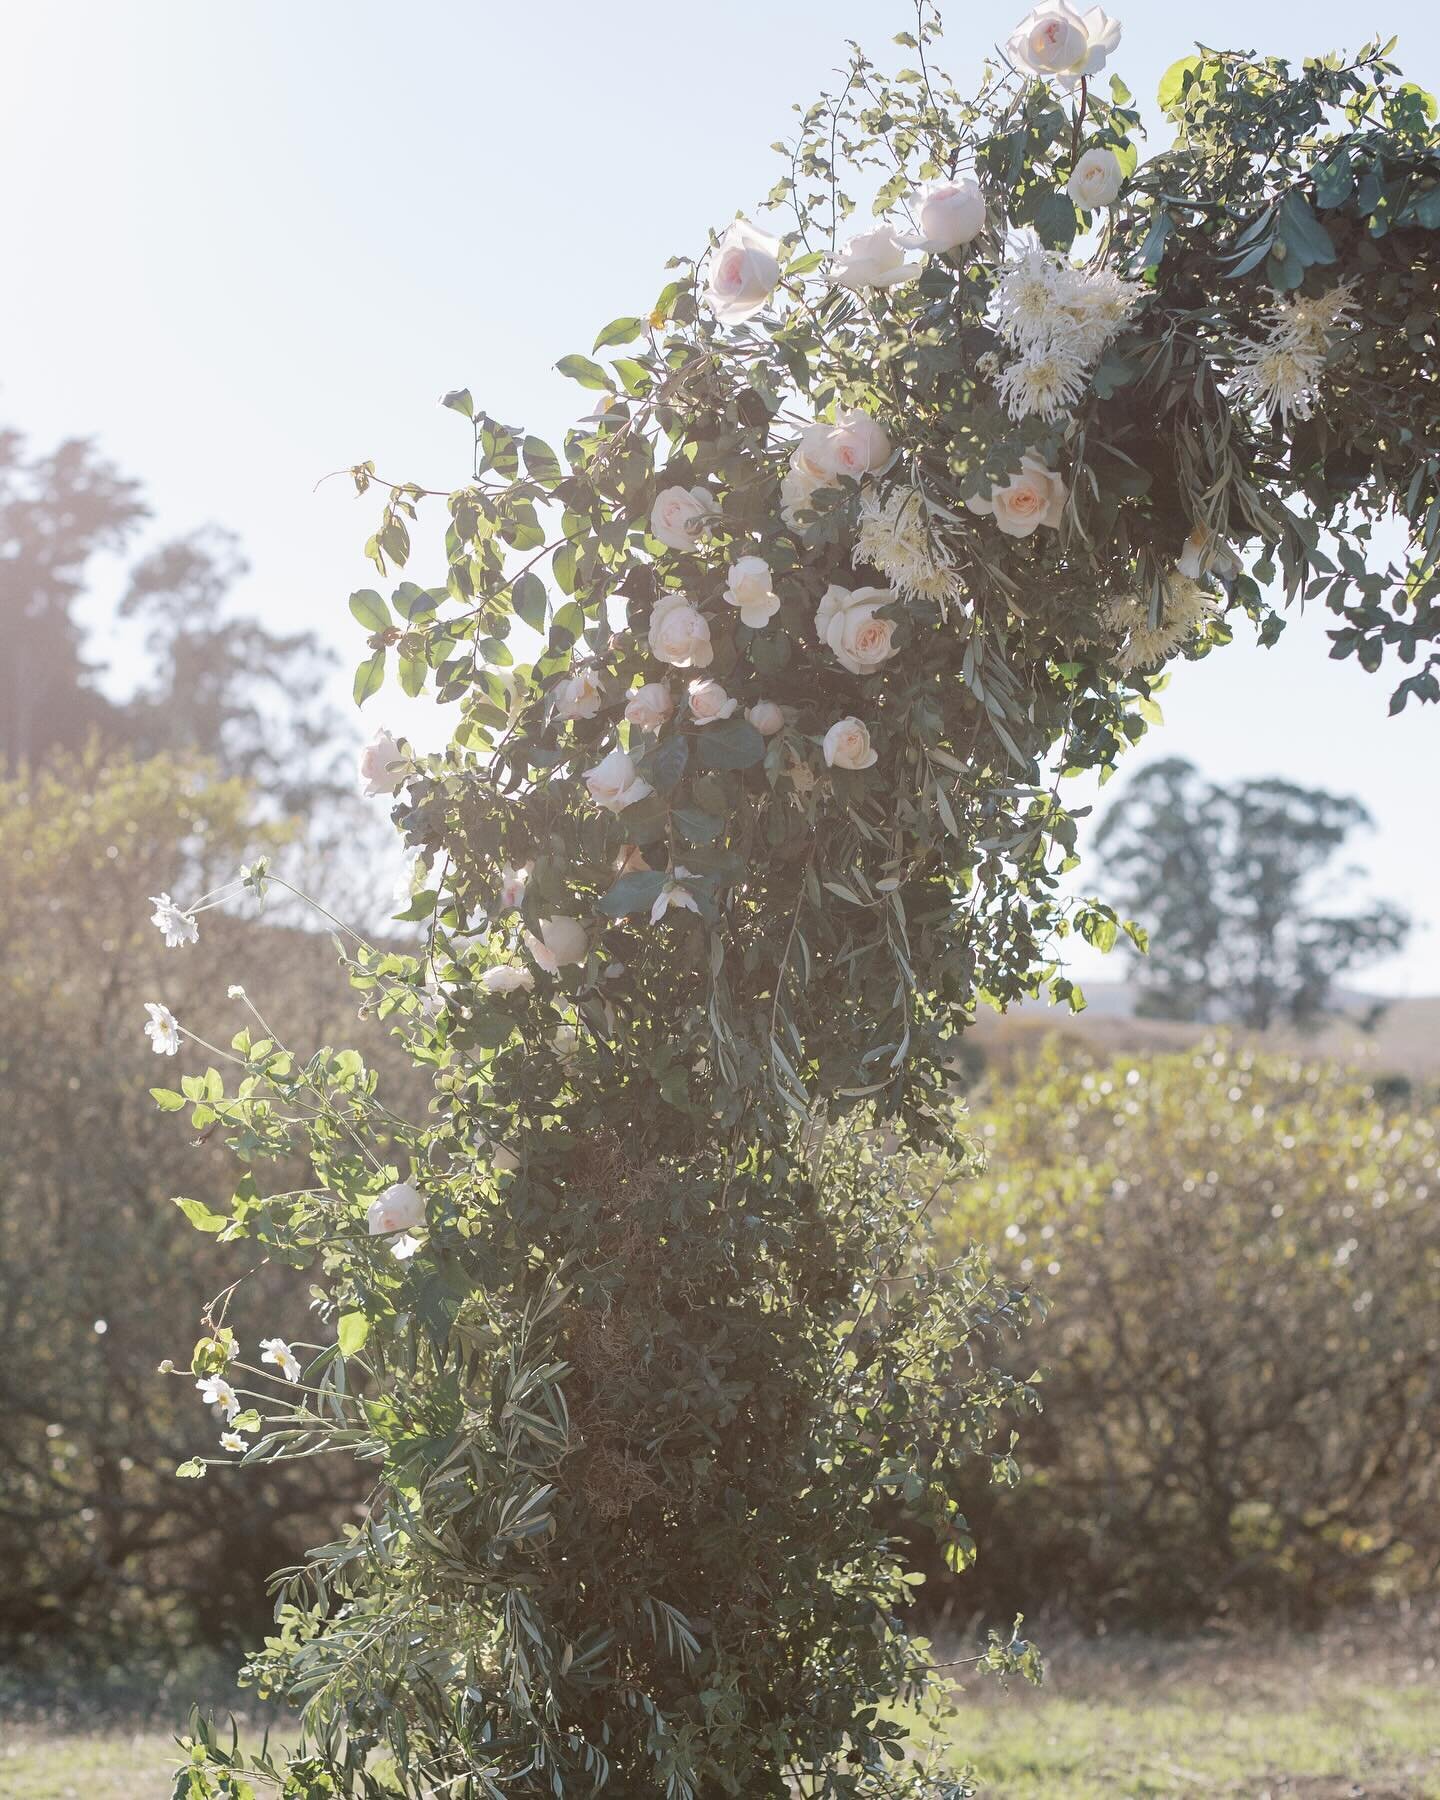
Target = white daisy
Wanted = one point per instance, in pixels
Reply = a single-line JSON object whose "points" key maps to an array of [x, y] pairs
{"points": [[163, 1029], [178, 925], [277, 1351], [215, 1390]]}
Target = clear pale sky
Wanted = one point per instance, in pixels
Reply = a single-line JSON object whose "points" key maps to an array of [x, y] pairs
{"points": [[251, 244]]}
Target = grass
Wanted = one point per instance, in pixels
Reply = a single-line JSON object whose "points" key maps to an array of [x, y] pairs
{"points": [[1352, 1711], [1348, 1713]]}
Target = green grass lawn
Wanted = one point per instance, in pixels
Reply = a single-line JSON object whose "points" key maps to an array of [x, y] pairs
{"points": [[1352, 1714]]}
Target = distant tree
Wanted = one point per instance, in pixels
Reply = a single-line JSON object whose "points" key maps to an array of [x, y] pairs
{"points": [[1236, 885], [226, 686], [57, 512]]}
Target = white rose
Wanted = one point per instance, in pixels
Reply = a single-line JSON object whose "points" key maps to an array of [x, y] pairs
{"points": [[709, 702], [650, 706], [679, 514], [614, 783], [1095, 179], [748, 588], [797, 490], [849, 622], [561, 941], [744, 271], [874, 259], [505, 978], [766, 717], [1058, 43], [1036, 496], [947, 215], [581, 694], [399, 1208], [847, 745], [565, 1042], [679, 634], [512, 887], [854, 445], [378, 771]]}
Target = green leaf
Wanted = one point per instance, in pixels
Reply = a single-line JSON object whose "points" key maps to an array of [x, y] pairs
{"points": [[636, 377], [352, 1332], [200, 1215], [167, 1099], [1153, 249], [588, 374], [665, 764], [458, 400], [192, 1470], [369, 677], [1056, 220], [541, 462], [619, 331], [413, 671], [1304, 237], [733, 744], [697, 827], [567, 625], [370, 610], [1172, 82], [530, 601], [633, 893]]}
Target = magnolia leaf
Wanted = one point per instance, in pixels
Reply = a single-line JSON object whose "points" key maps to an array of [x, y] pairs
{"points": [[619, 331], [588, 374], [733, 744], [633, 893]]}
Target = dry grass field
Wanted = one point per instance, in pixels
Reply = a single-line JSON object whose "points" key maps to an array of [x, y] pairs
{"points": [[1351, 1713]]}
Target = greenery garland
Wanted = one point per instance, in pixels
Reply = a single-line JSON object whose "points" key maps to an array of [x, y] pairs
{"points": [[861, 549]]}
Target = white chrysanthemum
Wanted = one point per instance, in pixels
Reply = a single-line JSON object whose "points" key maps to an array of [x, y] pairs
{"points": [[893, 538], [1184, 606], [1033, 289], [1098, 305], [1047, 378], [1282, 373]]}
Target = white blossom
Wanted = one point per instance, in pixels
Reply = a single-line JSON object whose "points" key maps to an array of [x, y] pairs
{"points": [[674, 893], [1046, 379], [400, 1207], [404, 1247], [163, 1029], [232, 1441], [215, 1390], [873, 259], [749, 589], [507, 978], [1185, 606], [178, 926], [893, 536], [744, 272], [277, 1351], [1282, 373], [1060, 44]]}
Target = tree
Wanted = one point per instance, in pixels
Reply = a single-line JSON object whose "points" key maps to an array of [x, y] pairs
{"points": [[1231, 883], [638, 1323], [1241, 1351], [56, 513]]}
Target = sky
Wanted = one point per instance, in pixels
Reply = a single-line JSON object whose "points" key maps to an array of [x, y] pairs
{"points": [[250, 245]]}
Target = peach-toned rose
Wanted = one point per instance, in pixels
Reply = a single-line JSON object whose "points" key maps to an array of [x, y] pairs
{"points": [[847, 745], [649, 707], [679, 634], [854, 445], [614, 782], [848, 621], [744, 271], [680, 515], [709, 702], [1034, 497]]}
